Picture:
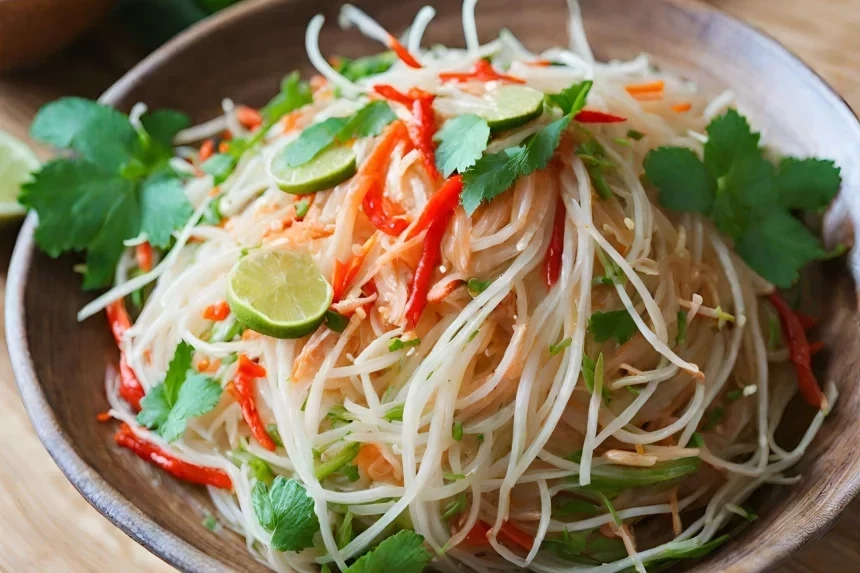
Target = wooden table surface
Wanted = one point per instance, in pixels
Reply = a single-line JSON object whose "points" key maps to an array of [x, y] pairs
{"points": [[46, 526]]}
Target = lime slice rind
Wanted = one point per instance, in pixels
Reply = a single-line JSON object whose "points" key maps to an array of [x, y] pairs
{"points": [[281, 294], [512, 106], [17, 161], [331, 167]]}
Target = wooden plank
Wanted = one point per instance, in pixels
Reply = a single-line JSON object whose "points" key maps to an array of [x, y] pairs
{"points": [[47, 526]]}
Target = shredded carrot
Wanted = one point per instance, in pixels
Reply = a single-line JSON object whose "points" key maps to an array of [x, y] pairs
{"points": [[207, 150], [682, 107], [214, 191], [290, 121], [385, 214], [226, 135], [104, 417], [223, 147], [539, 63], [218, 311], [143, 254], [203, 365], [249, 117], [318, 83], [646, 89], [250, 335], [402, 52]]}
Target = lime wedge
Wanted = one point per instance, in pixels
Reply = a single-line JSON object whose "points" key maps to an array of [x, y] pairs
{"points": [[16, 162], [332, 166], [512, 106], [278, 293]]}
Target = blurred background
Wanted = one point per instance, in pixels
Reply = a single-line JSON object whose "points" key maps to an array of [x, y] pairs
{"points": [[52, 48]]}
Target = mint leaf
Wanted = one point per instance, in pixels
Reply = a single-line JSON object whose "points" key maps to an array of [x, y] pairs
{"points": [[777, 246], [462, 140], [403, 552], [807, 183], [369, 121], [59, 122], [494, 174], [294, 94], [617, 324], [571, 100], [729, 139], [682, 179], [297, 522], [198, 395], [164, 207], [162, 125], [359, 68]]}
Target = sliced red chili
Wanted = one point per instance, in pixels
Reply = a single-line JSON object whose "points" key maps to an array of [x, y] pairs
{"points": [[249, 117], [423, 126], [552, 260], [482, 72], [168, 462], [509, 534], [402, 52], [217, 312], [129, 386], [382, 211], [143, 254], [431, 252], [799, 352], [592, 116], [442, 201], [244, 390]]}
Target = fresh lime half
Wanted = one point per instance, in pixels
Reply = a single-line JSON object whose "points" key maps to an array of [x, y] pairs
{"points": [[512, 106], [332, 166], [281, 294], [16, 162]]}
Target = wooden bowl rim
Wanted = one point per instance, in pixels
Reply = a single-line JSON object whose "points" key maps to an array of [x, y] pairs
{"points": [[128, 517]]}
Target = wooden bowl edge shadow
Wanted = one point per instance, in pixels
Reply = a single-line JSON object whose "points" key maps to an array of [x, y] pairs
{"points": [[116, 507]]}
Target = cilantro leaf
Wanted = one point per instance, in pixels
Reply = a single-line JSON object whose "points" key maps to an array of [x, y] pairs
{"points": [[807, 183], [162, 125], [294, 94], [369, 121], [571, 100], [79, 205], [109, 143], [164, 207], [729, 139], [593, 155], [198, 395], [777, 246], [617, 324], [403, 552], [287, 511], [363, 67], [219, 166], [462, 140], [493, 174], [59, 122], [182, 395], [684, 182]]}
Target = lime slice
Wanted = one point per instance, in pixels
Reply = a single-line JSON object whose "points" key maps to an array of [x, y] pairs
{"points": [[278, 293], [332, 166], [512, 106], [16, 162]]}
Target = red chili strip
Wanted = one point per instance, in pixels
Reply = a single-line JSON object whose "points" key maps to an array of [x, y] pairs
{"points": [[422, 129], [442, 201], [244, 390], [143, 254], [177, 468], [483, 72], [402, 52], [207, 150], [392, 93], [593, 116], [799, 352], [129, 387], [217, 312], [249, 117], [430, 254], [382, 211], [344, 274], [805, 320], [816, 347], [508, 534], [552, 260]]}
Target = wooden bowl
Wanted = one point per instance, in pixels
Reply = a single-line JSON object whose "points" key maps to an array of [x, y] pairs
{"points": [[242, 54], [31, 30]]}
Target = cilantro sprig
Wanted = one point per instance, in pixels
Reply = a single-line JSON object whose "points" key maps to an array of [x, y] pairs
{"points": [[182, 395], [462, 141], [287, 511], [748, 198], [116, 185], [617, 324], [403, 552]]}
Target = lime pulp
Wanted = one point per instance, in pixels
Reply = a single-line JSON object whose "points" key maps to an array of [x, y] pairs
{"points": [[331, 167], [281, 294], [16, 162], [512, 106]]}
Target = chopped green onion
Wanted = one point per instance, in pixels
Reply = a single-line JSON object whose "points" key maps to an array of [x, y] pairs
{"points": [[455, 507], [733, 395], [611, 509], [338, 461], [395, 413], [635, 135], [339, 416], [473, 335], [272, 430], [682, 328], [336, 321], [351, 472], [344, 531], [477, 286], [302, 208], [714, 417], [559, 346], [210, 523], [697, 440], [457, 431], [452, 477], [399, 344]]}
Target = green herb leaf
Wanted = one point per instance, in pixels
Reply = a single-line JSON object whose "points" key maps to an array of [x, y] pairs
{"points": [[455, 507], [60, 122], [272, 430], [477, 286], [617, 324], [729, 139], [635, 135], [164, 207], [400, 344], [462, 140], [162, 125], [608, 477], [571, 100], [287, 511], [339, 416], [302, 208], [559, 346], [359, 68], [369, 121], [494, 174], [219, 166], [684, 182], [403, 552], [611, 509], [395, 413], [336, 321], [338, 461], [294, 94], [807, 183], [198, 395]]}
